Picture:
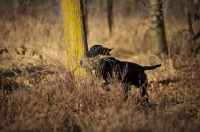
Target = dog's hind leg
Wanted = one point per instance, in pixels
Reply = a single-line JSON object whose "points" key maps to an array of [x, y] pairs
{"points": [[143, 91]]}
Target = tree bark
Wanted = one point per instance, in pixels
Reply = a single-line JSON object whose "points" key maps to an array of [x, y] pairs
{"points": [[133, 7], [158, 32], [75, 34], [85, 16], [110, 14]]}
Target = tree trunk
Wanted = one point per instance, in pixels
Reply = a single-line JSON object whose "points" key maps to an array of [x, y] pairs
{"points": [[110, 14], [133, 7], [158, 33], [75, 35], [85, 16], [193, 26]]}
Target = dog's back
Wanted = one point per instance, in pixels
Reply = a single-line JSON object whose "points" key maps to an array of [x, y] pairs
{"points": [[127, 72]]}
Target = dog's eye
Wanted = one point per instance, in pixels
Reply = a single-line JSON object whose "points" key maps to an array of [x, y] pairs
{"points": [[87, 54]]}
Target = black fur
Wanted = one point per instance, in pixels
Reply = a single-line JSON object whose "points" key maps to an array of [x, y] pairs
{"points": [[127, 73], [98, 50]]}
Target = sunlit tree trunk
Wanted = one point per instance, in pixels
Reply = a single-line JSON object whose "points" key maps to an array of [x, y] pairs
{"points": [[159, 42], [75, 35]]}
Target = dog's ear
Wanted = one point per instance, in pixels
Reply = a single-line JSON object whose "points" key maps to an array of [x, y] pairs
{"points": [[110, 49]]}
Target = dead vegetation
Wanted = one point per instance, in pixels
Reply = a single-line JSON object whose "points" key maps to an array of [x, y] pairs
{"points": [[62, 103]]}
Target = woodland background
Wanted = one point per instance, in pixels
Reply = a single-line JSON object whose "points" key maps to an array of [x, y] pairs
{"points": [[38, 92]]}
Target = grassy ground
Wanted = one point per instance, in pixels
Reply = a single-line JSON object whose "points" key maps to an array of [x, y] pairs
{"points": [[39, 94]]}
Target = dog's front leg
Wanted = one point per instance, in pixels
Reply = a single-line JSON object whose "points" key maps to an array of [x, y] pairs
{"points": [[105, 85]]}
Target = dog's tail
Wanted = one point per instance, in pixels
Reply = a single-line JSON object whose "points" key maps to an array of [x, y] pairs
{"points": [[151, 67]]}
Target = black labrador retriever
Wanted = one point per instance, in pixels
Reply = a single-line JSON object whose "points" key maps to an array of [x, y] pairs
{"points": [[99, 59]]}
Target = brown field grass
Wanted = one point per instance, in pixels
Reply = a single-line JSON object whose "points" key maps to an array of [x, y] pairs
{"points": [[38, 93]]}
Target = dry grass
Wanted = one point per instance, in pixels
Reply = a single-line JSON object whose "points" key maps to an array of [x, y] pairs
{"points": [[37, 92], [61, 103]]}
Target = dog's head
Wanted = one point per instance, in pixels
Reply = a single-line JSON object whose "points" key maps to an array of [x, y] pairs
{"points": [[95, 57], [96, 50]]}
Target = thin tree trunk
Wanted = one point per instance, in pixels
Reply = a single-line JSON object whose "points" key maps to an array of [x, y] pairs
{"points": [[85, 16], [158, 33], [133, 7], [110, 14], [75, 35]]}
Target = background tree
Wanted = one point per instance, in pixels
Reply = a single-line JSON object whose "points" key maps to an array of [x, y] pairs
{"points": [[158, 32], [193, 27], [133, 7], [85, 15], [75, 35], [110, 14]]}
